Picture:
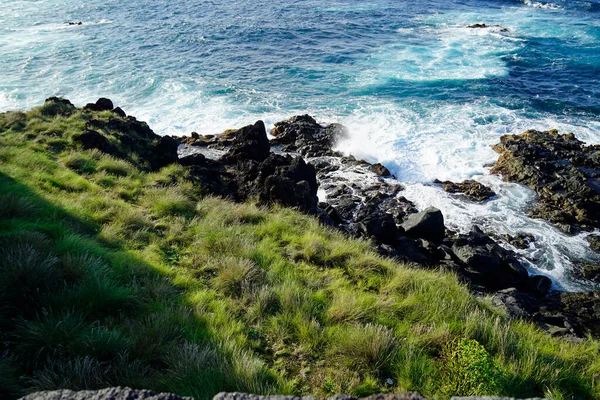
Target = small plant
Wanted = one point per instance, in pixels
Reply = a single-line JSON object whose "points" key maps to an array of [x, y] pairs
{"points": [[469, 370]]}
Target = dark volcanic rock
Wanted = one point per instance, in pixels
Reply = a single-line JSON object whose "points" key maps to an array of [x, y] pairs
{"points": [[94, 140], [250, 143], [561, 169], [487, 263], [473, 190], [304, 135], [584, 270], [484, 26], [380, 170], [516, 304], [584, 310], [54, 106], [119, 111], [539, 285], [428, 224], [520, 240], [594, 241], [102, 104], [196, 159], [162, 152]]}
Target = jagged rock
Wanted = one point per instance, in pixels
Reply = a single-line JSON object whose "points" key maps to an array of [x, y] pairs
{"points": [[119, 111], [283, 190], [163, 152], [487, 263], [594, 241], [483, 26], [585, 270], [428, 224], [583, 310], [517, 304], [382, 227], [115, 393], [562, 170], [196, 159], [250, 143], [304, 135], [539, 285], [520, 240], [102, 104], [473, 190], [380, 170], [54, 106]]}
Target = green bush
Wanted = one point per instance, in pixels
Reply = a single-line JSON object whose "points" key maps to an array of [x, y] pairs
{"points": [[468, 370]]}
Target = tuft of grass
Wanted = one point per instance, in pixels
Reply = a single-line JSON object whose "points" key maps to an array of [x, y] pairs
{"points": [[116, 167], [367, 346], [168, 201], [80, 162], [237, 276]]}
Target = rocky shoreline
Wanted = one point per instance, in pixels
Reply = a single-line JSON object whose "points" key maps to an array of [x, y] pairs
{"points": [[298, 167]]}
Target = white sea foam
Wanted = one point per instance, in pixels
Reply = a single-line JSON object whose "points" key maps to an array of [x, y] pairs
{"points": [[447, 53], [537, 4], [453, 142]]}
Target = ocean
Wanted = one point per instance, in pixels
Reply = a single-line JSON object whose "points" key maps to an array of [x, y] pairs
{"points": [[420, 92]]}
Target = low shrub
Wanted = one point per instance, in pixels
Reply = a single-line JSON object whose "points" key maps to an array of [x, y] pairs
{"points": [[469, 370]]}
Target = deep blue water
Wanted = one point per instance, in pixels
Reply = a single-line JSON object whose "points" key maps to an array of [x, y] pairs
{"points": [[419, 91]]}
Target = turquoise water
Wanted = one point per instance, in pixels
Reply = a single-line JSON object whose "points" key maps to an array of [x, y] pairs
{"points": [[419, 91]]}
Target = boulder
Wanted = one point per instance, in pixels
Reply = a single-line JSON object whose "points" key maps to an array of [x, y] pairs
{"points": [[250, 143], [93, 140], [163, 152], [516, 304], [380, 170], [382, 227], [539, 285], [196, 159], [102, 104], [283, 190], [54, 106], [428, 224], [486, 263], [119, 111]]}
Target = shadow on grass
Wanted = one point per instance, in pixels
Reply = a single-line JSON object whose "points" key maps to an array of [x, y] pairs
{"points": [[80, 313]]}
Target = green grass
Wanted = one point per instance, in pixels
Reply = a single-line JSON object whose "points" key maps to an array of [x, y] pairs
{"points": [[111, 275]]}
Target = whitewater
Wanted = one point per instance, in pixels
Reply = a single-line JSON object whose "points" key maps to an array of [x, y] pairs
{"points": [[419, 91]]}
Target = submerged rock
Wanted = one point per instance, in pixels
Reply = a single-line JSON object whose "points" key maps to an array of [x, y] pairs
{"points": [[473, 190], [484, 26]]}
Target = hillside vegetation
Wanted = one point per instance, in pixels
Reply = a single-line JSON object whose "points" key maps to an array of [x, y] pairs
{"points": [[113, 272]]}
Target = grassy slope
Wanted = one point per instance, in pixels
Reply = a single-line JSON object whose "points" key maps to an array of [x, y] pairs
{"points": [[114, 276]]}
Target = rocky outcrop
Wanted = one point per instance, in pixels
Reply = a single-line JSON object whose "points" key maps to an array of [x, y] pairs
{"points": [[118, 135], [358, 199], [563, 171], [472, 190], [428, 225]]}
